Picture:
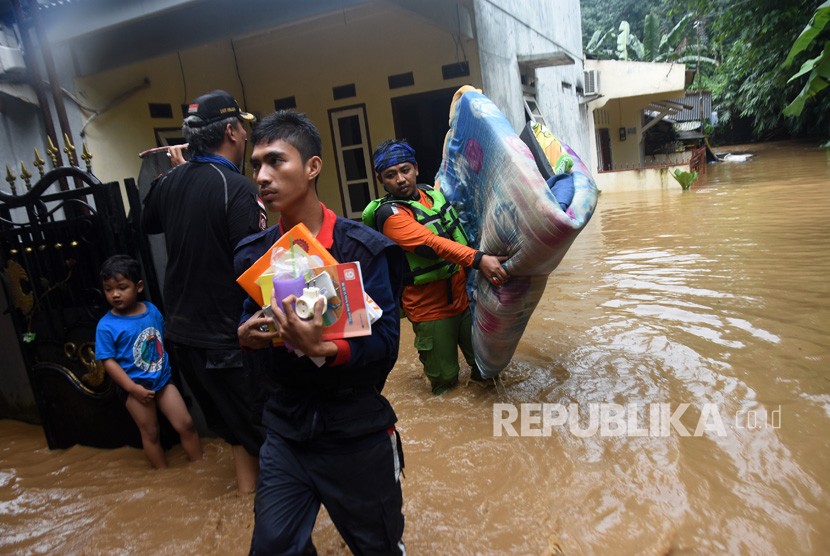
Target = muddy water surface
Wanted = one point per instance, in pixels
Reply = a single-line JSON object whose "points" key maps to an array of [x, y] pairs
{"points": [[715, 297]]}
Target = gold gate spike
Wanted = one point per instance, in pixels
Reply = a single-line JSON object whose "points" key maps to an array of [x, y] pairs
{"points": [[11, 178], [69, 149], [39, 162], [52, 151], [87, 156], [27, 177]]}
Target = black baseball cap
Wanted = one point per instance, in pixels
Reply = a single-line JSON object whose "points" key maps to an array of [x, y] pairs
{"points": [[213, 107]]}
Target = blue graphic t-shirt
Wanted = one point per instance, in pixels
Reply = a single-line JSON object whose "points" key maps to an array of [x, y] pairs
{"points": [[137, 344]]}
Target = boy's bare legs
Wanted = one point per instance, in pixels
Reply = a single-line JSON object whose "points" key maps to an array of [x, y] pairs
{"points": [[247, 469], [172, 404], [145, 417]]}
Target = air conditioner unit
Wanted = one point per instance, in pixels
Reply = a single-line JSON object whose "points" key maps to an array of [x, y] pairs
{"points": [[11, 61], [591, 79]]}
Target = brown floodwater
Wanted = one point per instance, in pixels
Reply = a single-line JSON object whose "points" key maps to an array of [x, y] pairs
{"points": [[715, 297]]}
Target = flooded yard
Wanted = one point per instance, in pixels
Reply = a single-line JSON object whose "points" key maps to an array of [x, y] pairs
{"points": [[714, 301]]}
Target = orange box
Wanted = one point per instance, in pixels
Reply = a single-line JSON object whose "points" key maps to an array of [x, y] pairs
{"points": [[349, 314], [298, 235]]}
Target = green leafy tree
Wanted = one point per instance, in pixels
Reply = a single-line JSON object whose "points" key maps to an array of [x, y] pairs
{"points": [[602, 15], [740, 51], [672, 46], [751, 84], [629, 46], [651, 37], [818, 68]]}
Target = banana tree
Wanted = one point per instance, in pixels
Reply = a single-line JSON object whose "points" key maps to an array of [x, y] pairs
{"points": [[627, 40], [598, 39], [818, 68], [672, 44], [653, 48]]}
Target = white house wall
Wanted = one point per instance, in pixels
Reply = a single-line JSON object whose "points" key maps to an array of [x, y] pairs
{"points": [[507, 29], [20, 133]]}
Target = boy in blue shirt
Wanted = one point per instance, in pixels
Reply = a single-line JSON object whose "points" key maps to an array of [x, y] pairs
{"points": [[129, 342]]}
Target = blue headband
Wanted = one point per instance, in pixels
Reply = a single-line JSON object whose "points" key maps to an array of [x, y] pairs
{"points": [[394, 154]]}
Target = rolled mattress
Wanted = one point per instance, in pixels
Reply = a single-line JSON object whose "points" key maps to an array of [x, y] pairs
{"points": [[492, 179]]}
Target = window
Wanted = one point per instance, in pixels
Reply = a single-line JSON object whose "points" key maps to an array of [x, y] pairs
{"points": [[532, 111], [169, 136], [285, 103], [344, 91], [401, 80], [354, 162]]}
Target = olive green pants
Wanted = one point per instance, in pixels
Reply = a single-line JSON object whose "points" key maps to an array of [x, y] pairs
{"points": [[437, 343]]}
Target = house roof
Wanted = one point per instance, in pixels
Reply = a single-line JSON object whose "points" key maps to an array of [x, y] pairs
{"points": [[698, 106], [668, 108]]}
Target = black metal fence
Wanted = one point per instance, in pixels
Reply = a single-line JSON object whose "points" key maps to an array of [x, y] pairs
{"points": [[53, 239]]}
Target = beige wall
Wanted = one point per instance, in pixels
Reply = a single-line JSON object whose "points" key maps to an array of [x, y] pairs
{"points": [[361, 46], [622, 113], [638, 180], [626, 88], [628, 79]]}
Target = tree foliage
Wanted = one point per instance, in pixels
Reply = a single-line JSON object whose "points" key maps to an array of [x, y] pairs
{"points": [[748, 39], [817, 69], [752, 82], [623, 44]]}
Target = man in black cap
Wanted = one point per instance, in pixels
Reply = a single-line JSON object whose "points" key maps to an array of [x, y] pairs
{"points": [[204, 207]]}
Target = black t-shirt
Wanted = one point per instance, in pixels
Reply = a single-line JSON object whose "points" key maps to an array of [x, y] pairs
{"points": [[204, 210]]}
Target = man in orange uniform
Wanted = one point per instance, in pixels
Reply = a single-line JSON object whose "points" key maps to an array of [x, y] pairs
{"points": [[418, 218]]}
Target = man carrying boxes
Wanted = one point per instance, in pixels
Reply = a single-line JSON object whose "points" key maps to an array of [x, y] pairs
{"points": [[331, 435]]}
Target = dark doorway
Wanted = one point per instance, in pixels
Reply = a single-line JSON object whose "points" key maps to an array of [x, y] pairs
{"points": [[423, 120], [604, 149]]}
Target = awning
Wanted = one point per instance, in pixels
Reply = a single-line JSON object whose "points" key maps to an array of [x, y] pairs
{"points": [[666, 107], [20, 91], [531, 62], [658, 111]]}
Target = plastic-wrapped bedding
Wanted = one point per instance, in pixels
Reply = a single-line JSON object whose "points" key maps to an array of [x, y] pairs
{"points": [[490, 176]]}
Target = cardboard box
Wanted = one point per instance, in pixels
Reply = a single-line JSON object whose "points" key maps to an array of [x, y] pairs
{"points": [[298, 235], [350, 310]]}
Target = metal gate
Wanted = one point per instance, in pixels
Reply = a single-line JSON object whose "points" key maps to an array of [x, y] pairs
{"points": [[53, 239]]}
